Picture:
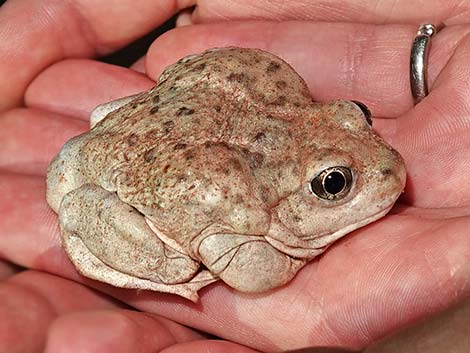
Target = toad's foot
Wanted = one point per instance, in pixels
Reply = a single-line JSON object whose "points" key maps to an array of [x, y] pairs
{"points": [[247, 262]]}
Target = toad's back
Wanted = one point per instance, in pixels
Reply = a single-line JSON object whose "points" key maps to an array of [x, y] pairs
{"points": [[244, 99]]}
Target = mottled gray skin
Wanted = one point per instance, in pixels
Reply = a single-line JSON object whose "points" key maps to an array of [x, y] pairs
{"points": [[213, 167]]}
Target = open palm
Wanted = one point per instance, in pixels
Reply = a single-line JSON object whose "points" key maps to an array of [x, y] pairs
{"points": [[412, 262]]}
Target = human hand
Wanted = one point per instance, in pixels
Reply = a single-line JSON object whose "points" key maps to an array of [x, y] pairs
{"points": [[44, 313], [411, 263]]}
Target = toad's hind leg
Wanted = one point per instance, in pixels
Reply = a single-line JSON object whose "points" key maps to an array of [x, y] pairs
{"points": [[65, 171], [110, 241]]}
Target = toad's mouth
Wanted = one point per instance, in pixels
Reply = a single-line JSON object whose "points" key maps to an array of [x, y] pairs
{"points": [[311, 246]]}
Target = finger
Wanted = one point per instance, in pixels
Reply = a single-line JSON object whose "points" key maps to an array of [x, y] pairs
{"points": [[369, 64], [72, 88], [37, 33], [114, 331], [433, 138], [30, 303], [378, 48], [139, 65], [185, 18], [29, 233], [75, 87], [7, 269], [411, 12], [205, 346], [31, 138]]}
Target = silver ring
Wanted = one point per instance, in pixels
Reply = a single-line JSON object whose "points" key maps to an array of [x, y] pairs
{"points": [[418, 61]]}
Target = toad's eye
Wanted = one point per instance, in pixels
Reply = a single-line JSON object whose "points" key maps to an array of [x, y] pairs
{"points": [[332, 183], [365, 111]]}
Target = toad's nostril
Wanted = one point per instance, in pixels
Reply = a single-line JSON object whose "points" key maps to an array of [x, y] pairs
{"points": [[394, 175]]}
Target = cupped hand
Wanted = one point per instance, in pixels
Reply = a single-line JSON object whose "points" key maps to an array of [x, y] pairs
{"points": [[45, 313], [413, 262]]}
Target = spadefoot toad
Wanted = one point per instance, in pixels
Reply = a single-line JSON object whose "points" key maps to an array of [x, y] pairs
{"points": [[225, 170]]}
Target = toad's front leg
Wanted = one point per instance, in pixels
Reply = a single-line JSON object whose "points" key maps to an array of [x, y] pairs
{"points": [[110, 241], [246, 262]]}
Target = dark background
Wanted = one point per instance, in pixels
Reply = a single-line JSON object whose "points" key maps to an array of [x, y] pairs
{"points": [[135, 50]]}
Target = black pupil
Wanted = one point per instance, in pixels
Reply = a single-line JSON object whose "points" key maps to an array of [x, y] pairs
{"points": [[334, 183]]}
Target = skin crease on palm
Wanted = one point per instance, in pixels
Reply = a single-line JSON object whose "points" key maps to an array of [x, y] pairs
{"points": [[411, 263]]}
